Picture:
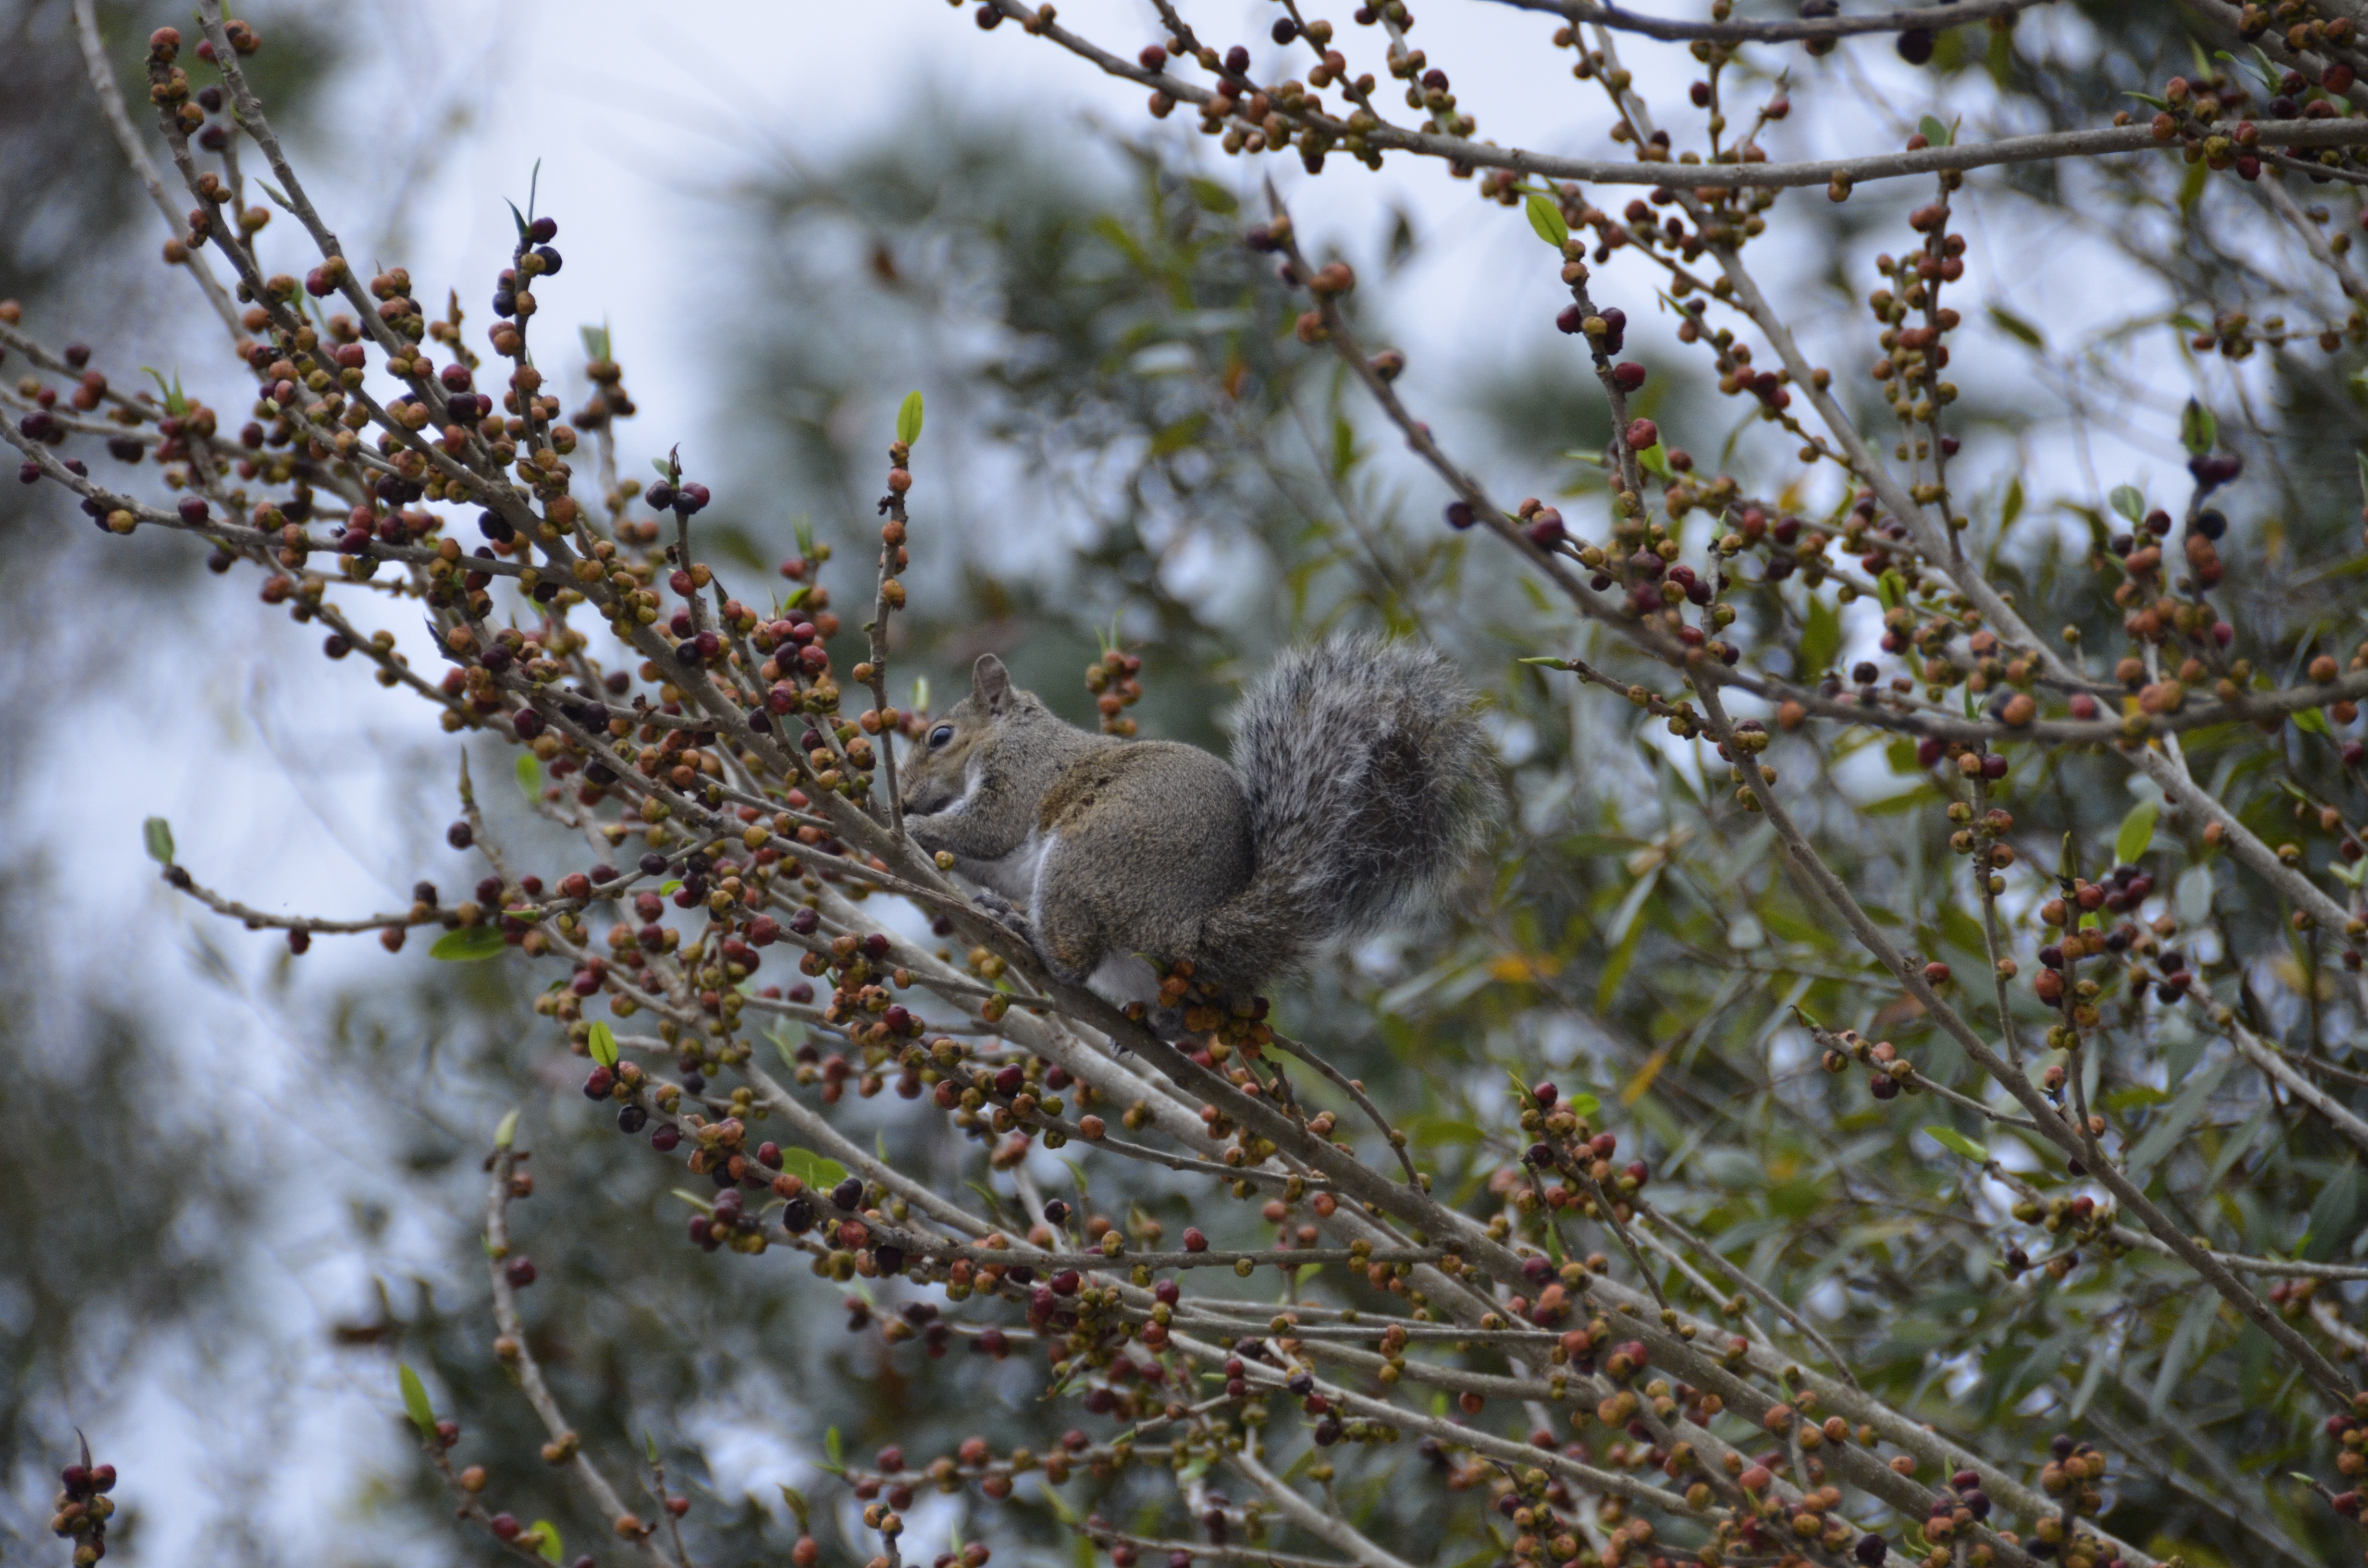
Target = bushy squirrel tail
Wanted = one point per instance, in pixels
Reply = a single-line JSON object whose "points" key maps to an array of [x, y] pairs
{"points": [[1369, 784]]}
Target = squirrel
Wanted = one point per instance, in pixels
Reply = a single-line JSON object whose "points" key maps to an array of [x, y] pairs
{"points": [[1362, 783]]}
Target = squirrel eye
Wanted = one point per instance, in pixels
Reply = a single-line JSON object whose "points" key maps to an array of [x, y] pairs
{"points": [[942, 734]]}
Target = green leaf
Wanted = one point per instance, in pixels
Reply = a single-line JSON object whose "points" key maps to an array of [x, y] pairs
{"points": [[1212, 195], [1654, 461], [795, 1499], [602, 1045], [816, 1172], [650, 1442], [2129, 501], [2136, 833], [908, 418], [1545, 217], [548, 1543], [2199, 432], [2362, 458], [176, 402], [469, 944], [1581, 1105], [2013, 506], [415, 1402], [1820, 640], [2330, 1216], [2310, 721], [2149, 101], [1344, 446], [2171, 1123], [835, 1447], [2191, 186], [665, 470], [505, 1131], [1957, 1142], [158, 833], [1061, 1509], [2015, 326], [2095, 1373], [1176, 436], [1934, 132], [671, 886], [529, 776], [2187, 1343], [518, 218], [597, 343], [1891, 588]]}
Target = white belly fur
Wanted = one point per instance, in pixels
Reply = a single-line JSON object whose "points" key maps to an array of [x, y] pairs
{"points": [[1012, 875]]}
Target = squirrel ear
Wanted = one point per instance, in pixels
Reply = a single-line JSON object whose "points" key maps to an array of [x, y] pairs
{"points": [[990, 684]]}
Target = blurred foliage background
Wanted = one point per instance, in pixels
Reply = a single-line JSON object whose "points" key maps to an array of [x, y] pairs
{"points": [[1126, 443]]}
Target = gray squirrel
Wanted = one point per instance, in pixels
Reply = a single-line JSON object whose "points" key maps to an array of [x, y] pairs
{"points": [[1361, 784]]}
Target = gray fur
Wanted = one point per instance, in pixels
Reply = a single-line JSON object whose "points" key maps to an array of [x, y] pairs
{"points": [[1371, 785], [1362, 784]]}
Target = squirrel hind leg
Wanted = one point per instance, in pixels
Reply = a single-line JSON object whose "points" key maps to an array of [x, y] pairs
{"points": [[1069, 941]]}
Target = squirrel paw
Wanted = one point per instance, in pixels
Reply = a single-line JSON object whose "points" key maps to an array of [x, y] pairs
{"points": [[1009, 916]]}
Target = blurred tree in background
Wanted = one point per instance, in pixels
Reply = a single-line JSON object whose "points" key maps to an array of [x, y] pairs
{"points": [[1136, 445]]}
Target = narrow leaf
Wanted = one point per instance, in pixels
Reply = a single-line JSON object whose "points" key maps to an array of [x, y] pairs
{"points": [[835, 1447], [1545, 217], [548, 1543], [2172, 1123], [2129, 501], [2137, 832], [908, 418], [1654, 461], [467, 945], [2015, 326], [1820, 640], [602, 1045], [2199, 432], [1957, 1143], [506, 1133], [1213, 197], [415, 1402], [529, 776], [158, 833]]}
